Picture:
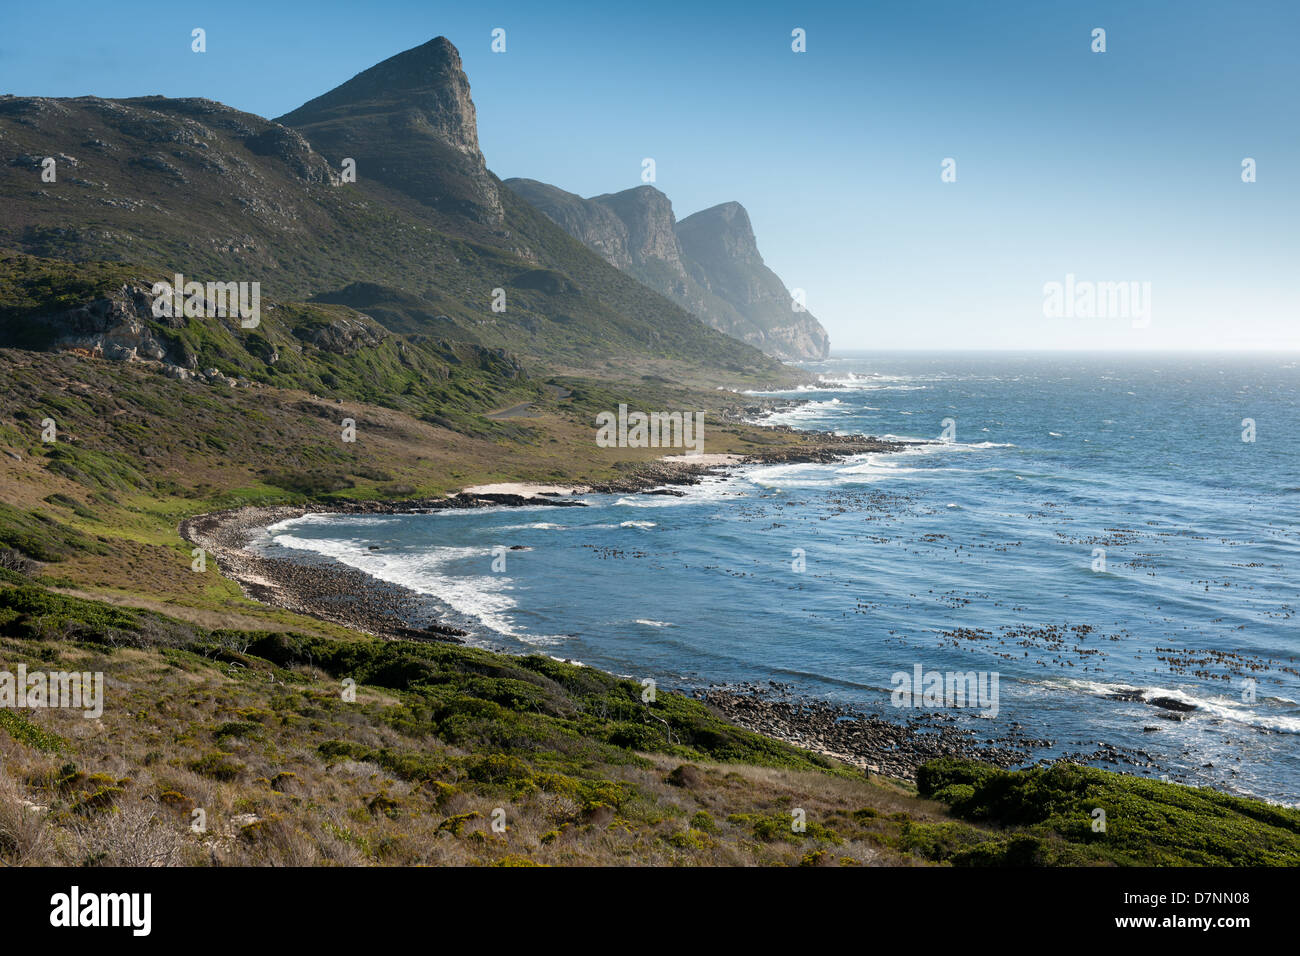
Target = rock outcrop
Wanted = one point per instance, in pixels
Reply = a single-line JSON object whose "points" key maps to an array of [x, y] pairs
{"points": [[708, 263], [722, 255], [113, 327], [409, 122], [343, 335]]}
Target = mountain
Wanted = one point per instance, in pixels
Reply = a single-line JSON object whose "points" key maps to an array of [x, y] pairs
{"points": [[708, 263], [722, 255], [426, 236], [403, 117]]}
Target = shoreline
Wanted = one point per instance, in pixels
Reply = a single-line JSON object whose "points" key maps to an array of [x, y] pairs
{"points": [[332, 592], [311, 588], [868, 741]]}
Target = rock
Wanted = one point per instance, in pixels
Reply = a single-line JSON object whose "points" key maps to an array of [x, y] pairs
{"points": [[1125, 695], [157, 164], [288, 146], [708, 263], [409, 122], [112, 327], [1169, 703], [343, 336], [687, 776]]}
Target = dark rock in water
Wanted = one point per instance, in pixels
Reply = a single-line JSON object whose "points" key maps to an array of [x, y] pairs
{"points": [[1169, 703], [1165, 703], [464, 500], [373, 547], [1125, 695]]}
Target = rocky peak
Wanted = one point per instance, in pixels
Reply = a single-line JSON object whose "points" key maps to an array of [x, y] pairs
{"points": [[592, 224], [290, 148], [708, 263], [724, 227], [648, 216], [410, 123]]}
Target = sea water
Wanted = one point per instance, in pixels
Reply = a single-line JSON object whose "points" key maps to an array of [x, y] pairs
{"points": [[1098, 532]]}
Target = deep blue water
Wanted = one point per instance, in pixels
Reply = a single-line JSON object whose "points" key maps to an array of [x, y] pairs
{"points": [[993, 533]]}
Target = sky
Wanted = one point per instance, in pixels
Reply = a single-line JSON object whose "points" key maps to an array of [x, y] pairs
{"points": [[1112, 167]]}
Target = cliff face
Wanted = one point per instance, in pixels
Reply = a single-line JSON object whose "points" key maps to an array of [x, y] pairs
{"points": [[723, 257], [419, 241], [409, 122], [708, 263]]}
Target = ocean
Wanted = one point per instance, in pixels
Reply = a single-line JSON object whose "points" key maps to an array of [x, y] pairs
{"points": [[1110, 543]]}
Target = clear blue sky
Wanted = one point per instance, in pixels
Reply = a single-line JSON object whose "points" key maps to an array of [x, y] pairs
{"points": [[1116, 166]]}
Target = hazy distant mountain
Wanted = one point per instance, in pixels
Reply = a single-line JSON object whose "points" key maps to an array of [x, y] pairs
{"points": [[420, 241], [709, 262]]}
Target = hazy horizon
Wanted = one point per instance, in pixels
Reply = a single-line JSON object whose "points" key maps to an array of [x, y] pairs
{"points": [[1134, 352]]}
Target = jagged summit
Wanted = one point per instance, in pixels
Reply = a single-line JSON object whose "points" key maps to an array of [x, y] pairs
{"points": [[420, 242], [428, 78], [410, 123], [708, 263], [726, 224]]}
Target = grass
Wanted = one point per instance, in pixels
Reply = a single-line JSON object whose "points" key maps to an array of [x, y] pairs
{"points": [[1067, 813], [138, 452], [40, 536], [453, 755], [447, 754]]}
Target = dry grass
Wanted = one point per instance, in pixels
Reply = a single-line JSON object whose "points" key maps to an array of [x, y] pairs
{"points": [[122, 790]]}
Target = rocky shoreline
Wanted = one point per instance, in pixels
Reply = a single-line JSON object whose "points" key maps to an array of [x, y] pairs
{"points": [[892, 748], [382, 609], [345, 596]]}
